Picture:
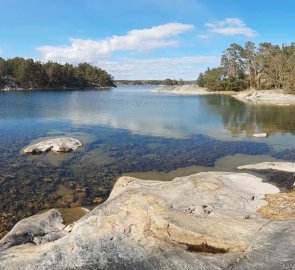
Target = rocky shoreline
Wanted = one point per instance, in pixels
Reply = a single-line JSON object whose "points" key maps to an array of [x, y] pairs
{"points": [[204, 221], [189, 89], [255, 97], [17, 88], [267, 97], [8, 85]]}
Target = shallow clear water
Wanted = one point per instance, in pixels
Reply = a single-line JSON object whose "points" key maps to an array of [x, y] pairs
{"points": [[127, 130]]}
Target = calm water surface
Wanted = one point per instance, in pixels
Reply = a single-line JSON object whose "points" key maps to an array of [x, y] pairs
{"points": [[127, 130]]}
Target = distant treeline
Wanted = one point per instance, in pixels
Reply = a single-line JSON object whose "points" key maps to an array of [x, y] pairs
{"points": [[153, 82], [265, 66], [30, 74]]}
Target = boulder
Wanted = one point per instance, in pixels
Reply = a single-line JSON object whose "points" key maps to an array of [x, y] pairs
{"points": [[38, 229], [64, 144], [203, 221]]}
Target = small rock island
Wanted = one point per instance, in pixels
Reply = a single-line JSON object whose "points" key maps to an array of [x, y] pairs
{"points": [[64, 144]]}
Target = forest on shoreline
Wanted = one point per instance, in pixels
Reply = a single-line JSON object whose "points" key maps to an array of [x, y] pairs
{"points": [[19, 73], [262, 66], [265, 66], [168, 82]]}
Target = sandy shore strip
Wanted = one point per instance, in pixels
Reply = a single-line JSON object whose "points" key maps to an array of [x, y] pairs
{"points": [[189, 89]]}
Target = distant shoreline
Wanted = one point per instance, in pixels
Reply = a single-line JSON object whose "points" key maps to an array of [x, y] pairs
{"points": [[56, 89], [131, 85]]}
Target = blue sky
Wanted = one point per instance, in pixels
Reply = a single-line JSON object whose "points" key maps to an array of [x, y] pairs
{"points": [[143, 39]]}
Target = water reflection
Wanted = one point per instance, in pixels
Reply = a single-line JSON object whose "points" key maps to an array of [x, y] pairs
{"points": [[239, 117], [142, 112]]}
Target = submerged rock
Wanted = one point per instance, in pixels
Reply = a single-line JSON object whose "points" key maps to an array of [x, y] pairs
{"points": [[64, 144], [195, 222]]}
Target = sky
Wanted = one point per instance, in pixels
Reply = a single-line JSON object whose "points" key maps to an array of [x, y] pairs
{"points": [[140, 39]]}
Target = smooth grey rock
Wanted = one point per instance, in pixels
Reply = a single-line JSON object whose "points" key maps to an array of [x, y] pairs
{"points": [[165, 225], [259, 135], [266, 97], [38, 229], [273, 248], [64, 144], [278, 166]]}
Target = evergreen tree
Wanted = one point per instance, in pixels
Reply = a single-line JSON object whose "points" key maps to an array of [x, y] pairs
{"points": [[267, 66], [28, 73]]}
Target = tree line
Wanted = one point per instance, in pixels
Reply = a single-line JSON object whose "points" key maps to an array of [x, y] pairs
{"points": [[30, 74], [265, 66], [168, 82], [138, 82]]}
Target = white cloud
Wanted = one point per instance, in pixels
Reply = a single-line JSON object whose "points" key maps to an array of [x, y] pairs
{"points": [[99, 52], [231, 27], [136, 40]]}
